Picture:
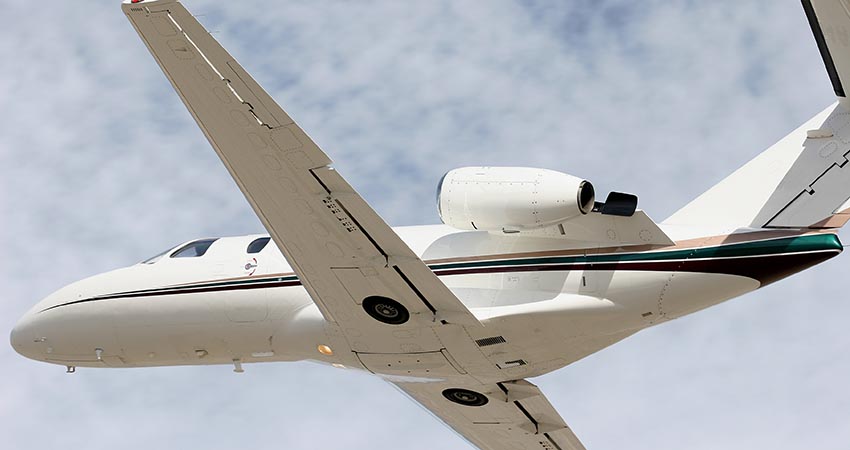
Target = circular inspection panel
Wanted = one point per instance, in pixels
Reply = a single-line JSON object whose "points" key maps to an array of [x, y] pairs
{"points": [[386, 310], [465, 397]]}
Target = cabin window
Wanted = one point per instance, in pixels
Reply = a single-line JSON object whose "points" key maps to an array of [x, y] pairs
{"points": [[193, 249], [257, 245]]}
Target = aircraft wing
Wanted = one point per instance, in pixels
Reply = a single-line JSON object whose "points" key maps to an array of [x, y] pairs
{"points": [[517, 416], [342, 251]]}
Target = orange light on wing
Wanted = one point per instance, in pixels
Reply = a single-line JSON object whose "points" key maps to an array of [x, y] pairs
{"points": [[325, 350]]}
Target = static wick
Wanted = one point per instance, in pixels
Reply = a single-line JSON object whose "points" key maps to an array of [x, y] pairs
{"points": [[237, 366], [70, 369]]}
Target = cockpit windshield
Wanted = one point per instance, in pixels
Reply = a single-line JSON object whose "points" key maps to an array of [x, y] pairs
{"points": [[155, 258], [194, 249], [190, 250]]}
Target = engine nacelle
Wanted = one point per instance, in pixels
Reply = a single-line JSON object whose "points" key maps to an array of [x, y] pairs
{"points": [[511, 198]]}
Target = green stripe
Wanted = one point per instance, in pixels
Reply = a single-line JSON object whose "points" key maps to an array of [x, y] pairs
{"points": [[797, 244], [819, 242]]}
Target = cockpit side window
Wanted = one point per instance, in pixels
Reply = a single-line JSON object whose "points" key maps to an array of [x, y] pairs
{"points": [[193, 249], [257, 245]]}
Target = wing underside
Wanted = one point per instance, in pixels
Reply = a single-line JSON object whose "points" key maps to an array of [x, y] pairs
{"points": [[339, 247], [516, 416], [345, 255]]}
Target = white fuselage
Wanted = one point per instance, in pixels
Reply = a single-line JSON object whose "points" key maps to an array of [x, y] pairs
{"points": [[229, 305]]}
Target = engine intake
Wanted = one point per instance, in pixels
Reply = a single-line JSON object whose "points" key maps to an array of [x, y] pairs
{"points": [[511, 198]]}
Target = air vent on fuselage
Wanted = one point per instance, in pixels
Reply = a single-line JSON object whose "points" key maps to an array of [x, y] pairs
{"points": [[490, 341]]}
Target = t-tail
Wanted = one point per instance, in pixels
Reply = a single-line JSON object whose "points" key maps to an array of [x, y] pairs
{"points": [[803, 181]]}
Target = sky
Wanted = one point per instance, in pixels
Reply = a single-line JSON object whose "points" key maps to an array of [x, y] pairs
{"points": [[101, 166]]}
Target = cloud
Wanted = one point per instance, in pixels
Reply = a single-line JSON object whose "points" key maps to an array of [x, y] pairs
{"points": [[101, 166]]}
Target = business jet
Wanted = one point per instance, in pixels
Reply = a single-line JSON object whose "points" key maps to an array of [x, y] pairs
{"points": [[528, 273]]}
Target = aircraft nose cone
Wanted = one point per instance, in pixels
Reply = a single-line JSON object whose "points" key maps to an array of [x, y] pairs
{"points": [[23, 338]]}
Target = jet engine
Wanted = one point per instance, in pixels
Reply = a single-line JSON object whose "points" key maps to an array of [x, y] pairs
{"points": [[511, 198]]}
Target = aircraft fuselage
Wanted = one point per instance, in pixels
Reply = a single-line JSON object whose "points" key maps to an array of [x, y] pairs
{"points": [[544, 302]]}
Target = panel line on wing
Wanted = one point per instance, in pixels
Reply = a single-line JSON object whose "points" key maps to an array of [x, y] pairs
{"points": [[226, 81], [330, 201], [364, 231], [200, 52], [528, 415], [552, 441], [273, 116], [415, 290]]}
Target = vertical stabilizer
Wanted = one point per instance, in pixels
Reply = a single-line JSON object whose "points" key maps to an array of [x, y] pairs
{"points": [[803, 181]]}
